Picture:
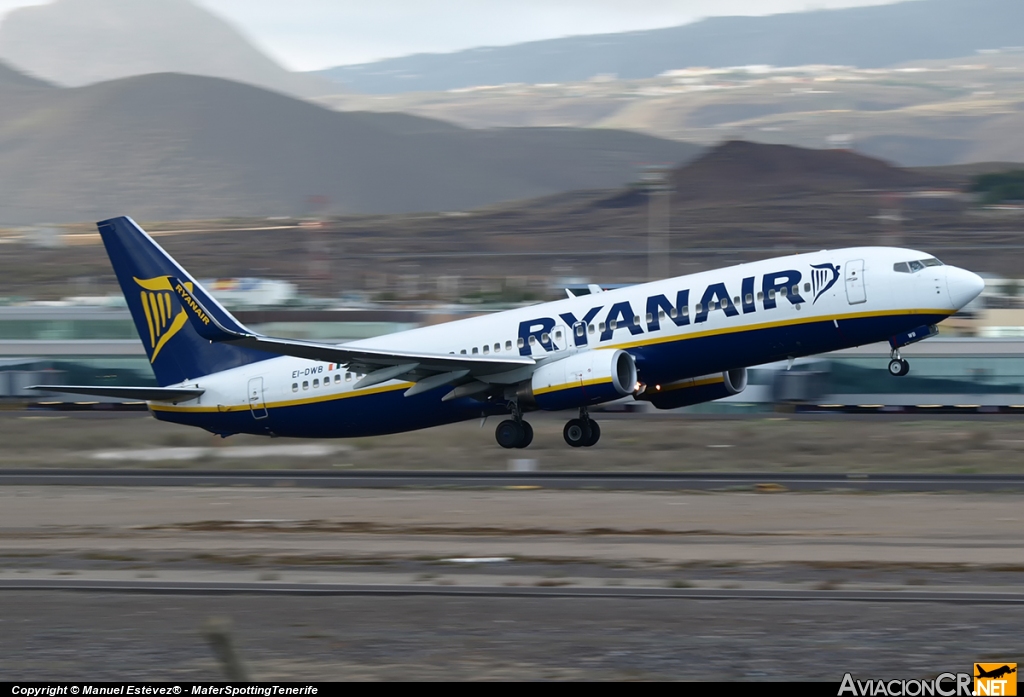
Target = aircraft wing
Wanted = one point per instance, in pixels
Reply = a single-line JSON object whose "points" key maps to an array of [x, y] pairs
{"points": [[430, 369], [149, 394]]}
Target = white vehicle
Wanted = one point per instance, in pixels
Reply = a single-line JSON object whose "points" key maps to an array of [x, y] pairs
{"points": [[674, 342]]}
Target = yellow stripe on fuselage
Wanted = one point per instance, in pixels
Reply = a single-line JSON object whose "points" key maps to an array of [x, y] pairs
{"points": [[572, 385], [771, 325], [289, 403], [635, 344]]}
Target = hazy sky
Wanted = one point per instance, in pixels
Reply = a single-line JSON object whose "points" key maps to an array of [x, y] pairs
{"points": [[311, 34]]}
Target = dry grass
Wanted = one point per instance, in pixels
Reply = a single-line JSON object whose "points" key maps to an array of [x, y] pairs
{"points": [[630, 443]]}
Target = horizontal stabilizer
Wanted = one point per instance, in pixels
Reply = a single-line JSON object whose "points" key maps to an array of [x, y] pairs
{"points": [[147, 394]]}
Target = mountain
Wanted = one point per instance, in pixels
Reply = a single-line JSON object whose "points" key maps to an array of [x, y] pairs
{"points": [[171, 146], [79, 42], [866, 37], [11, 79], [745, 170]]}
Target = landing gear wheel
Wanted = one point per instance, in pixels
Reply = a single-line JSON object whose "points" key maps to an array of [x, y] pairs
{"points": [[898, 367], [509, 434], [527, 435], [595, 434], [577, 433]]}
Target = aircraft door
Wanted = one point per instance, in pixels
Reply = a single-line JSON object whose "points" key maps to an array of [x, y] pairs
{"points": [[257, 405], [855, 291]]}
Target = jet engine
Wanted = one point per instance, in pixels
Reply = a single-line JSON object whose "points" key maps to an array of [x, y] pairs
{"points": [[590, 377], [706, 388]]}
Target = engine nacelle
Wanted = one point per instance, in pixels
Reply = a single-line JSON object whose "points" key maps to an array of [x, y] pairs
{"points": [[707, 388], [590, 377]]}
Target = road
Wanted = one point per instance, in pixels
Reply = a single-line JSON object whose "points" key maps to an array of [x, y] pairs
{"points": [[638, 481]]}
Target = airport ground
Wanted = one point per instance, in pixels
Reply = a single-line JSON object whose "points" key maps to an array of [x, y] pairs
{"points": [[826, 553], [772, 442]]}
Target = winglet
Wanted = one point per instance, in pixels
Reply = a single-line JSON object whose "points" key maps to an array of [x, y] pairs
{"points": [[203, 322]]}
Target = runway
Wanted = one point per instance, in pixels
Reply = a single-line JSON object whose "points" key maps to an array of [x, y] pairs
{"points": [[594, 593], [637, 481]]}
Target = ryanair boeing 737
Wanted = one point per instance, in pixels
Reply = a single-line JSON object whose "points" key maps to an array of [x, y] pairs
{"points": [[672, 343]]}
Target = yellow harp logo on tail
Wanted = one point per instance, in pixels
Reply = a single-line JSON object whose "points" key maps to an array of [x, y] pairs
{"points": [[157, 295]]}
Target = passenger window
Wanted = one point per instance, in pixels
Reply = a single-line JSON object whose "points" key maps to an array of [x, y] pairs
{"points": [[348, 376], [686, 311], [520, 343], [497, 347], [673, 313], [614, 324], [580, 330], [636, 320], [650, 317], [508, 345], [712, 306], [487, 349], [771, 294], [305, 384], [661, 314], [463, 352], [795, 291], [558, 334], [760, 295], [476, 350], [533, 340], [807, 287], [295, 387], [600, 326], [545, 338], [736, 300], [749, 298], [316, 383], [337, 378], [699, 308]]}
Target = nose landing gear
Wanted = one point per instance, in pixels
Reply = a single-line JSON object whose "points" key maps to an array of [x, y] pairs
{"points": [[582, 432], [514, 432], [898, 366]]}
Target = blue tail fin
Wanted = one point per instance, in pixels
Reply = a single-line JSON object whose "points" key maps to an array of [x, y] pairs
{"points": [[146, 274]]}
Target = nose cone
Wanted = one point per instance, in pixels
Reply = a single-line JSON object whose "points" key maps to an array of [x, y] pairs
{"points": [[963, 286]]}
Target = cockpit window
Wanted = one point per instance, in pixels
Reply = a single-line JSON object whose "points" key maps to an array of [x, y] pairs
{"points": [[915, 266]]}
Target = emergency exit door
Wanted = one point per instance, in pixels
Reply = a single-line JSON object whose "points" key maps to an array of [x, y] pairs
{"points": [[256, 404], [855, 291]]}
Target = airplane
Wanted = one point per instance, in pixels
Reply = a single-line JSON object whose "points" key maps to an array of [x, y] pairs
{"points": [[995, 673], [673, 343]]}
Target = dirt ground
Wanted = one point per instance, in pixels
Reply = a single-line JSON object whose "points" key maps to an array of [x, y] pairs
{"points": [[893, 542], [67, 636], [630, 442]]}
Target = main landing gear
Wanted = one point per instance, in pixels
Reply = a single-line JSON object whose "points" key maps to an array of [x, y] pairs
{"points": [[898, 366], [582, 432], [514, 432]]}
